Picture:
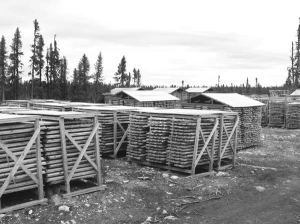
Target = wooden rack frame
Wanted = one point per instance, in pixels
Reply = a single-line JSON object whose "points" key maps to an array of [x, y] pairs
{"points": [[19, 163], [60, 117], [218, 125], [233, 147], [68, 175]]}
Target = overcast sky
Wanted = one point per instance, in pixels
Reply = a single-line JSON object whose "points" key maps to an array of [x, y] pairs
{"points": [[168, 40]]}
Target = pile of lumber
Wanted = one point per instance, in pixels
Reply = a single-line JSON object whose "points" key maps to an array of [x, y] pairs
{"points": [[182, 141], [137, 135], [157, 139], [293, 115], [51, 145], [15, 136], [249, 128], [171, 137], [113, 122], [277, 113]]}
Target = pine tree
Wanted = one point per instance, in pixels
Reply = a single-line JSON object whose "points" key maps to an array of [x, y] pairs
{"points": [[83, 77], [40, 57], [138, 78], [98, 78], [15, 62], [3, 65], [63, 77], [128, 80], [33, 59], [120, 75], [135, 76]]}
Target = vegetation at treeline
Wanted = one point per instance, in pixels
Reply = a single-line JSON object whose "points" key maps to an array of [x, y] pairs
{"points": [[49, 71]]}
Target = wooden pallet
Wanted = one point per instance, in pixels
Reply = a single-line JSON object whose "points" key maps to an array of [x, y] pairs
{"points": [[20, 156]]}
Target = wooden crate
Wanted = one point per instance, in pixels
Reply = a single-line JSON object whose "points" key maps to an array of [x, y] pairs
{"points": [[71, 148], [114, 122], [181, 140], [20, 156]]}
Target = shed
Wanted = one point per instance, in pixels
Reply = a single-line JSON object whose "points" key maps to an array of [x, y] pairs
{"points": [[111, 98], [250, 113], [146, 98], [175, 91], [296, 93], [197, 91]]}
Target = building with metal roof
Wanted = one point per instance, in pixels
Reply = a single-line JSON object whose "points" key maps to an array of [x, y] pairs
{"points": [[191, 92], [228, 99], [175, 91], [146, 98], [296, 93], [117, 90]]}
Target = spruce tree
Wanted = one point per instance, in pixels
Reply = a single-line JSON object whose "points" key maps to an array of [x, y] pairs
{"points": [[98, 78], [120, 75], [40, 57], [15, 62], [33, 59], [3, 65]]}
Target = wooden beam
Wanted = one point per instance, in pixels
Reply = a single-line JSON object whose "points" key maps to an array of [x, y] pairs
{"points": [[194, 163], [64, 154]]}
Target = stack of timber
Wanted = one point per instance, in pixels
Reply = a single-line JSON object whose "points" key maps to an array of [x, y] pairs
{"points": [[293, 115], [20, 103], [137, 135], [157, 139], [70, 145], [114, 121], [249, 128], [180, 139], [277, 113], [21, 163]]}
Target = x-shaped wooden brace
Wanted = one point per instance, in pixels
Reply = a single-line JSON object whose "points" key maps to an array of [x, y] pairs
{"points": [[19, 161], [229, 137], [82, 151], [206, 142]]}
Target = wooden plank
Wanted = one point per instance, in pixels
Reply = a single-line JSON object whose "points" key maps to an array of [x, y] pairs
{"points": [[84, 191], [64, 154], [97, 152], [212, 150], [194, 163], [23, 205], [39, 161], [220, 140]]}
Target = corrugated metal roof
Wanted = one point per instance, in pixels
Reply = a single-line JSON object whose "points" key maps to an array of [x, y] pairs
{"points": [[167, 90], [117, 90], [296, 93], [233, 99], [149, 95], [197, 90], [187, 112]]}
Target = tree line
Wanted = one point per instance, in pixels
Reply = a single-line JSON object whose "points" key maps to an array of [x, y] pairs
{"points": [[49, 71]]}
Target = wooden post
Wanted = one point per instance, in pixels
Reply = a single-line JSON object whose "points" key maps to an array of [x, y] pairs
{"points": [[64, 153], [39, 160], [196, 145], [115, 132], [220, 140], [235, 144], [213, 149], [97, 149]]}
